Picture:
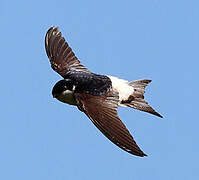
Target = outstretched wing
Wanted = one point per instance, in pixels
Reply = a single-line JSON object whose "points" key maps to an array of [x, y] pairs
{"points": [[60, 54], [102, 111]]}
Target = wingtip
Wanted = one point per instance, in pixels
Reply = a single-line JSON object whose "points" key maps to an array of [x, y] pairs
{"points": [[52, 29], [141, 154], [159, 115], [145, 154]]}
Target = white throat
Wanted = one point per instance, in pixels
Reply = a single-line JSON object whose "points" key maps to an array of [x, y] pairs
{"points": [[67, 96]]}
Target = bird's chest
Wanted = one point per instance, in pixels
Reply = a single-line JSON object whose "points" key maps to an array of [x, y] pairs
{"points": [[67, 97]]}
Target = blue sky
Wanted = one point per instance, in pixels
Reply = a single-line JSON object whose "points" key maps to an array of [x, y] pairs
{"points": [[42, 138]]}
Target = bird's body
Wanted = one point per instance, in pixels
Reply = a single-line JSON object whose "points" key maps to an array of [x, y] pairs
{"points": [[98, 96], [118, 85], [122, 87]]}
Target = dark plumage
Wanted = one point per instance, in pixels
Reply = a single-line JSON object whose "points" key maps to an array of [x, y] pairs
{"points": [[89, 82], [98, 96]]}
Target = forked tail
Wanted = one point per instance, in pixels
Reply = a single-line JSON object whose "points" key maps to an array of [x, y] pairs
{"points": [[136, 100]]}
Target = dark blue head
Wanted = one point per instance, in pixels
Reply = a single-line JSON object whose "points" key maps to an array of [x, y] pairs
{"points": [[61, 86]]}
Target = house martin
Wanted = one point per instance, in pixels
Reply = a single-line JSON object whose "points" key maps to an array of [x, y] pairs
{"points": [[98, 96]]}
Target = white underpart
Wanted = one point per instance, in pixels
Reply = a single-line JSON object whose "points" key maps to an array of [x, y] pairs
{"points": [[67, 97], [121, 86]]}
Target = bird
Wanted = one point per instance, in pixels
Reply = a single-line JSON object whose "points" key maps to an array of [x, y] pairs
{"points": [[98, 96]]}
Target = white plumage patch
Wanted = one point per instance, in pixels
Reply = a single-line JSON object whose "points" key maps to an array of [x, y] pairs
{"points": [[121, 86], [67, 97]]}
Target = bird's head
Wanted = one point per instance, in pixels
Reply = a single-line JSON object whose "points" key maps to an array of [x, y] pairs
{"points": [[62, 86]]}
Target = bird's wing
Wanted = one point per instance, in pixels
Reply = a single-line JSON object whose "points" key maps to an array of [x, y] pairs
{"points": [[102, 111], [61, 56]]}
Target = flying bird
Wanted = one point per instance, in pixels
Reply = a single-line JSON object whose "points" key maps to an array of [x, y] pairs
{"points": [[98, 96]]}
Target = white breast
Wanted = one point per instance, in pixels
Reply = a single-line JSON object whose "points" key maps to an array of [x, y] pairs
{"points": [[121, 86]]}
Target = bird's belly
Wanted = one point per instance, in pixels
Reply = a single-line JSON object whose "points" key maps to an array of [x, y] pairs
{"points": [[67, 97]]}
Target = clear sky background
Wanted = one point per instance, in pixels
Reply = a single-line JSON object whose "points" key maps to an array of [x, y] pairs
{"points": [[41, 138]]}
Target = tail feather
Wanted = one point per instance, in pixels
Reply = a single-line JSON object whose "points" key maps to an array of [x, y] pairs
{"points": [[137, 98], [143, 106], [140, 85]]}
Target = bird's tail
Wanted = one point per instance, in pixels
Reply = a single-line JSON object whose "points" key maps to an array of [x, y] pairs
{"points": [[136, 100]]}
